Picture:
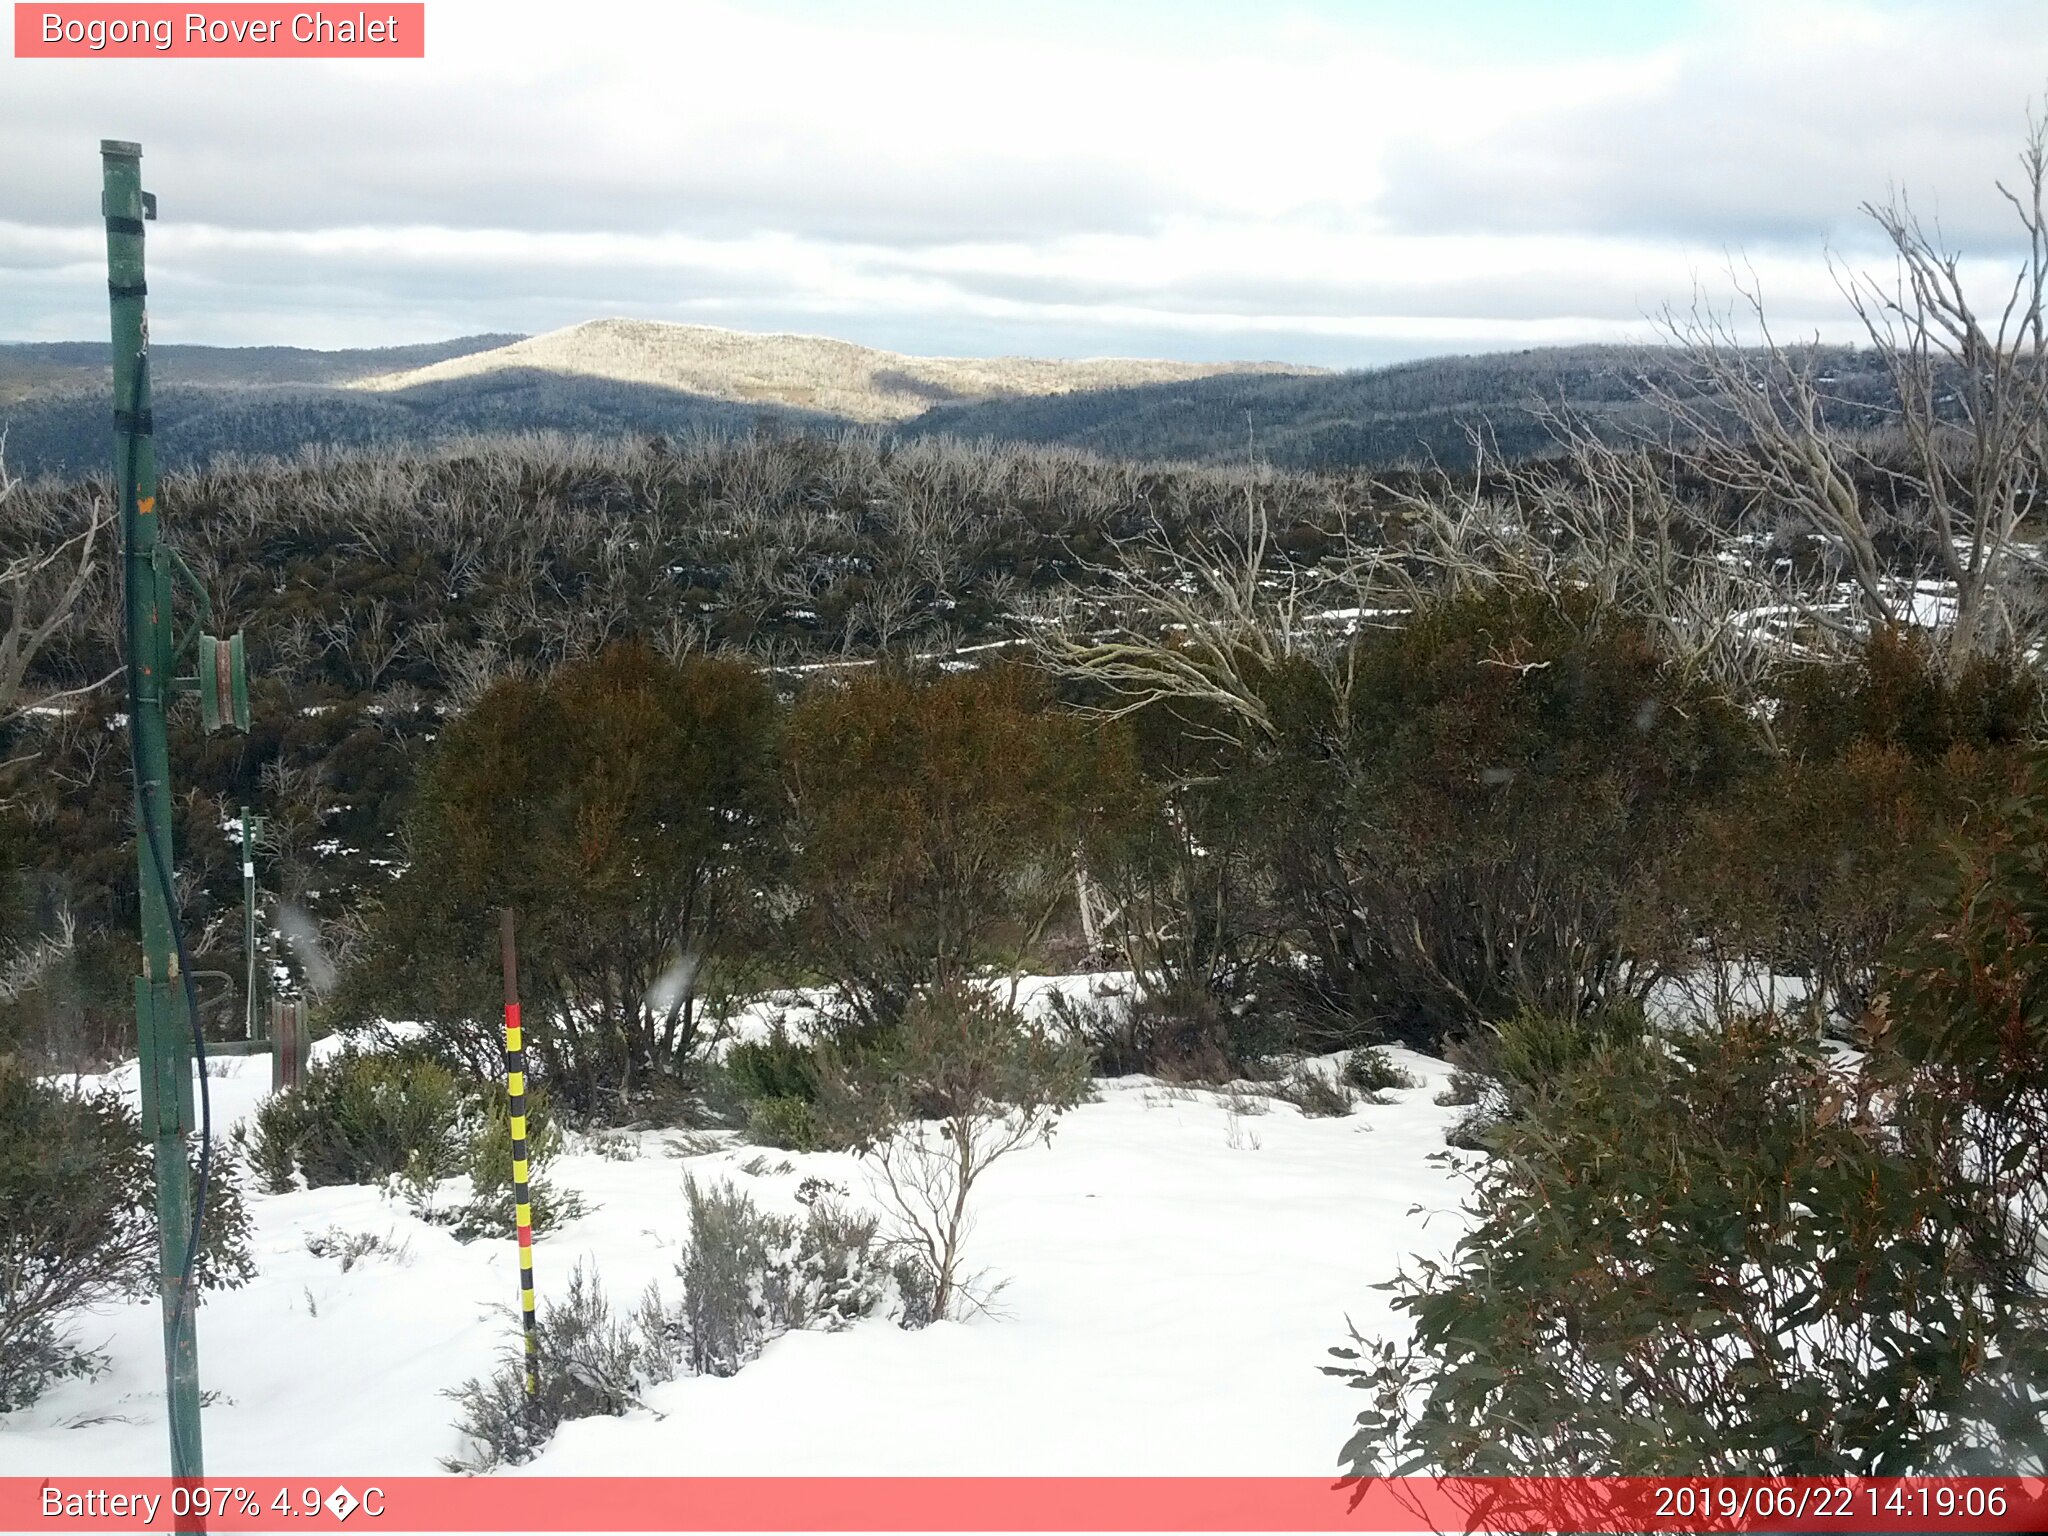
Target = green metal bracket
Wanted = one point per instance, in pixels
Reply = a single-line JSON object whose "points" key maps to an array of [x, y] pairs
{"points": [[223, 684], [165, 1037], [220, 667], [202, 603]]}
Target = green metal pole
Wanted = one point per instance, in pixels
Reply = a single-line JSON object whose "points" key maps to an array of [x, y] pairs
{"points": [[249, 1029], [163, 1023]]}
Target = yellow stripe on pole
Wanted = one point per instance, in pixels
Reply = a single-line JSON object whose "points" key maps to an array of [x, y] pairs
{"points": [[515, 1108]]}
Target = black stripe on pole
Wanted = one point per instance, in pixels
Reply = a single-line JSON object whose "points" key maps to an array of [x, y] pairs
{"points": [[522, 1194]]}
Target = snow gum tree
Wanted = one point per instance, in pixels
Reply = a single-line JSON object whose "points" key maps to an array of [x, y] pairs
{"points": [[624, 807], [934, 826]]}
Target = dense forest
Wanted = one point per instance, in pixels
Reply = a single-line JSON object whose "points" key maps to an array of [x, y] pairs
{"points": [[382, 590]]}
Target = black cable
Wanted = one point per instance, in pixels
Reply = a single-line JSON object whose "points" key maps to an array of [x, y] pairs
{"points": [[129, 495]]}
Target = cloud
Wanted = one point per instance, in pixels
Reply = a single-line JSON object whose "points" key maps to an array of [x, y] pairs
{"points": [[1179, 180], [1771, 129]]}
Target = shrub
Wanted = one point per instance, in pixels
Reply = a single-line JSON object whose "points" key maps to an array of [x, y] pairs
{"points": [[1483, 819], [373, 1117], [965, 1082], [1531, 1051], [775, 1081], [934, 825], [362, 1117], [67, 999], [348, 1249], [788, 1123], [749, 1276], [1371, 1071], [1183, 1037], [1182, 857], [1505, 1068], [1317, 1094], [1961, 1028], [489, 1210], [588, 1364], [78, 1225], [1812, 866], [776, 1067], [1901, 692], [1464, 1088], [1716, 1259]]}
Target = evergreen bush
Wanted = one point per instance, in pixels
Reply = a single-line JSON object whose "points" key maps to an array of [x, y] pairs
{"points": [[362, 1117], [1727, 1257], [1484, 818], [625, 806], [934, 825], [1372, 1072], [78, 1226], [589, 1364], [489, 1210]]}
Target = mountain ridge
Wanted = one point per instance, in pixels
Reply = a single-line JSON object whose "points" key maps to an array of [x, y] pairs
{"points": [[824, 374], [31, 369]]}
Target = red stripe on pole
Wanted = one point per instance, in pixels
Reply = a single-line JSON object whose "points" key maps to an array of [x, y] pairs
{"points": [[526, 1237], [976, 1504]]}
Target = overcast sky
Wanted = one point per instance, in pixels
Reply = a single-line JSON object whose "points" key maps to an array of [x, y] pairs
{"points": [[1342, 183]]}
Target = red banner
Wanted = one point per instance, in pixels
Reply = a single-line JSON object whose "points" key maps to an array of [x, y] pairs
{"points": [[514, 1503], [238, 31]]}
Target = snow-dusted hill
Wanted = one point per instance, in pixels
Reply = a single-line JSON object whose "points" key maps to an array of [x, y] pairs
{"points": [[1177, 1269], [811, 373]]}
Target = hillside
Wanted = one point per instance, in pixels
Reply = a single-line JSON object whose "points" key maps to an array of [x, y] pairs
{"points": [[611, 378], [65, 435], [810, 373], [1408, 413], [34, 368]]}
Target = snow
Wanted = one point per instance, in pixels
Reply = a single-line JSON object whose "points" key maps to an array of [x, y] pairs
{"points": [[1176, 1272]]}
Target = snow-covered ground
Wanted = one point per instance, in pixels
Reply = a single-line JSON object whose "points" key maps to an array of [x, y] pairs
{"points": [[1176, 1268]]}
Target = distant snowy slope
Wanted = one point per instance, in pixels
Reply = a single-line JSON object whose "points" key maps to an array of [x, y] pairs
{"points": [[812, 373]]}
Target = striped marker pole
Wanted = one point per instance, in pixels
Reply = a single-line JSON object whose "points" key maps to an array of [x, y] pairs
{"points": [[522, 1198]]}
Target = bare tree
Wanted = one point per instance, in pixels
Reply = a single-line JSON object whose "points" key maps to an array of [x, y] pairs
{"points": [[1612, 520], [1190, 625], [888, 608], [1963, 462], [970, 1082], [39, 591]]}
